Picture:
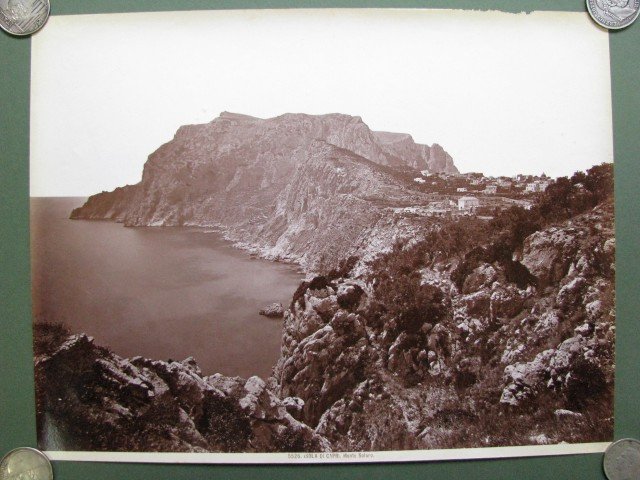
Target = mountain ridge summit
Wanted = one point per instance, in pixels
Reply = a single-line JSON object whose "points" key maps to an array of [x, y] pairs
{"points": [[421, 156]]}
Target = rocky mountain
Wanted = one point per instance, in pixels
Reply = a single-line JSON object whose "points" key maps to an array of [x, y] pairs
{"points": [[285, 187]]}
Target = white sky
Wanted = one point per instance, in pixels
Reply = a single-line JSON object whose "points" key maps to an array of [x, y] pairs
{"points": [[503, 93]]}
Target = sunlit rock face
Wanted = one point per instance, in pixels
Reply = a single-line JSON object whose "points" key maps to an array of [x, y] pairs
{"points": [[282, 187]]}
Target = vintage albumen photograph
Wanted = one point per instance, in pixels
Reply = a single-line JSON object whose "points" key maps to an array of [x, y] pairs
{"points": [[319, 231]]}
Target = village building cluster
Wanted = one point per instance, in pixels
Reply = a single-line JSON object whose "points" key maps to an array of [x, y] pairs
{"points": [[476, 194], [478, 184]]}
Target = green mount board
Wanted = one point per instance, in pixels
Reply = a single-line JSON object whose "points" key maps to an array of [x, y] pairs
{"points": [[17, 425]]}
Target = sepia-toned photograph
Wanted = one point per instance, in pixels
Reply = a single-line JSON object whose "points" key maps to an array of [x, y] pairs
{"points": [[322, 232]]}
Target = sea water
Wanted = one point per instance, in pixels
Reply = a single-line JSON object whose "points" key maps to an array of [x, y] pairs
{"points": [[160, 292]]}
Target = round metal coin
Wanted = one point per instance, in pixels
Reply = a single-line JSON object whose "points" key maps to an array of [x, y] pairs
{"points": [[614, 14], [622, 460], [25, 464], [23, 17]]}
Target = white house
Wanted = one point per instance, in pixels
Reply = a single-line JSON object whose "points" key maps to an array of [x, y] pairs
{"points": [[537, 186], [419, 180], [461, 189], [468, 203], [491, 189]]}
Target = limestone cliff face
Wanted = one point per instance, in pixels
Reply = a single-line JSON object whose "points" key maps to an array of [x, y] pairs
{"points": [[421, 157], [286, 187]]}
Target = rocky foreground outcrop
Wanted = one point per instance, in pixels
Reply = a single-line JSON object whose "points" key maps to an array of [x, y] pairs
{"points": [[90, 399], [304, 188]]}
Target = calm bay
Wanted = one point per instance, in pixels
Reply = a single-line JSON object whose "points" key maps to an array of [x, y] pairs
{"points": [[159, 292]]}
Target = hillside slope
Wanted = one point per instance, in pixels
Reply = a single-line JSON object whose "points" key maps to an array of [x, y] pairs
{"points": [[490, 363]]}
